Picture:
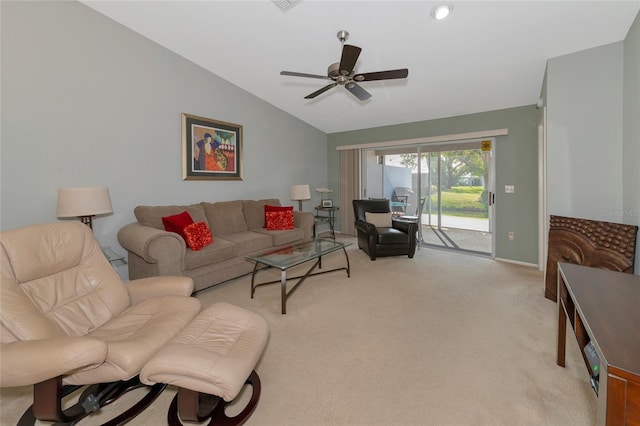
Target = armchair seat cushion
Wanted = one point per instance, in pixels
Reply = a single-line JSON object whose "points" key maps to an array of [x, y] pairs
{"points": [[134, 336], [392, 236]]}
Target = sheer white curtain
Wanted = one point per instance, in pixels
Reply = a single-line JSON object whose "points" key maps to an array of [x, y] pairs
{"points": [[349, 188]]}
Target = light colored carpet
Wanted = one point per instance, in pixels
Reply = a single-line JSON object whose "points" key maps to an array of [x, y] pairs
{"points": [[441, 339], [463, 239]]}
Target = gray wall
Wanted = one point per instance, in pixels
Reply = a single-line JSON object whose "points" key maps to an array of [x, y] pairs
{"points": [[631, 131], [88, 102], [593, 134], [584, 133], [516, 162]]}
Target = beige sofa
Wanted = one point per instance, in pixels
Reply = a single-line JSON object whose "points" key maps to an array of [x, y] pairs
{"points": [[237, 228]]}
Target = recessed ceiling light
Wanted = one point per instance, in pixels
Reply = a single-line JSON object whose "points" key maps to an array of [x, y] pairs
{"points": [[441, 12]]}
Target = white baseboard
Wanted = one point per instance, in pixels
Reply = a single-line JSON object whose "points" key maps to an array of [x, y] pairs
{"points": [[533, 265]]}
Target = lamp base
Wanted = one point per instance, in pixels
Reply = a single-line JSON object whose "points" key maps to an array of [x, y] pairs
{"points": [[87, 220], [299, 205]]}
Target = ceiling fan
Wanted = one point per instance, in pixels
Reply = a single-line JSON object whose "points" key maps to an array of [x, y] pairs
{"points": [[342, 73]]}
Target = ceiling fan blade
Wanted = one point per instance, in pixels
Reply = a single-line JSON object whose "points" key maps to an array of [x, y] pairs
{"points": [[301, 74], [349, 58], [358, 91], [320, 91], [382, 75]]}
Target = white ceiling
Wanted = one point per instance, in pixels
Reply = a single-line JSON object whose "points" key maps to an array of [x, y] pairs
{"points": [[487, 55]]}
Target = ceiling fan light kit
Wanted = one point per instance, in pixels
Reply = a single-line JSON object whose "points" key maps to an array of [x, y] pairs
{"points": [[342, 73]]}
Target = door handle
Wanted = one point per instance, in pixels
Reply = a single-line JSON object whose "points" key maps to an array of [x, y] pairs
{"points": [[492, 198]]}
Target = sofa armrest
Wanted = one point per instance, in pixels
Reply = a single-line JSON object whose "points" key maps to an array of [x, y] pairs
{"points": [[154, 246], [146, 288], [33, 361], [304, 221]]}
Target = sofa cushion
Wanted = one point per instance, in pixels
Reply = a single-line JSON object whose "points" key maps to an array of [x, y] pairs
{"points": [[225, 217], [197, 236], [282, 237], [218, 251], [152, 215], [248, 242], [254, 211], [177, 223]]}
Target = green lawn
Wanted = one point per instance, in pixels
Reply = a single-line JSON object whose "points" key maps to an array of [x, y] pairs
{"points": [[462, 201]]}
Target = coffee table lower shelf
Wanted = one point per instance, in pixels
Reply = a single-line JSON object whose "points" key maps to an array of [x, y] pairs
{"points": [[302, 253]]}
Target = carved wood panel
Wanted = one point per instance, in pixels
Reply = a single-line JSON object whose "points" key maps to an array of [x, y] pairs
{"points": [[586, 242]]}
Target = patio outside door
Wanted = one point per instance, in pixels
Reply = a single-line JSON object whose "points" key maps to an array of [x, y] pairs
{"points": [[449, 188]]}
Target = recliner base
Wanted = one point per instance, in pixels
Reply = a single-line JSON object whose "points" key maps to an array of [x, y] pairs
{"points": [[48, 396], [193, 406]]}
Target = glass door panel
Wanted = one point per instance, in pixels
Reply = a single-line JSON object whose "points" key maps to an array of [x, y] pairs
{"points": [[458, 209], [392, 174]]}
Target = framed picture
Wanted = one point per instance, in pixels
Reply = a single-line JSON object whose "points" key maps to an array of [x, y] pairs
{"points": [[327, 203], [211, 149]]}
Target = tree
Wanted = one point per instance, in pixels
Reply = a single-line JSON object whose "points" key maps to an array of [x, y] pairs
{"points": [[410, 161], [453, 164]]}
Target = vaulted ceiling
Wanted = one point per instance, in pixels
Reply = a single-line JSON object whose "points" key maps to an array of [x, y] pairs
{"points": [[486, 55]]}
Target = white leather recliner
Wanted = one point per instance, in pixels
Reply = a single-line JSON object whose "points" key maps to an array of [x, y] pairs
{"points": [[67, 318]]}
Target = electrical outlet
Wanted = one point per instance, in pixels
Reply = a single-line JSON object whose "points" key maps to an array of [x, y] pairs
{"points": [[511, 235], [509, 189]]}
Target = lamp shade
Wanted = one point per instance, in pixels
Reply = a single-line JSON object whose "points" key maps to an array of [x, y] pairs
{"points": [[300, 192], [88, 201]]}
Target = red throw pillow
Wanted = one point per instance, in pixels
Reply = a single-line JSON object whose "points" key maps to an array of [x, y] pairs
{"points": [[197, 235], [268, 208], [278, 221], [177, 222]]}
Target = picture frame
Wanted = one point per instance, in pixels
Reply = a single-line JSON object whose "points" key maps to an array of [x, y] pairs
{"points": [[327, 203], [211, 149]]}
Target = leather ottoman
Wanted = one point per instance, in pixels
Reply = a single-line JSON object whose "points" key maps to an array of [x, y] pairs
{"points": [[210, 361]]}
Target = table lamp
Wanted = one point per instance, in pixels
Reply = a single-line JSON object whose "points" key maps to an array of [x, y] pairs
{"points": [[299, 193], [83, 203], [323, 192]]}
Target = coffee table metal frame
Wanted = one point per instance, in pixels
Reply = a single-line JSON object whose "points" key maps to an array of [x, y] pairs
{"points": [[287, 257]]}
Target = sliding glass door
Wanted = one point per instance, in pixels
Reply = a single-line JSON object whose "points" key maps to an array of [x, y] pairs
{"points": [[448, 186]]}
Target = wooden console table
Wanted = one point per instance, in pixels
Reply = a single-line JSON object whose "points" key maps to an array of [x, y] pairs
{"points": [[603, 307]]}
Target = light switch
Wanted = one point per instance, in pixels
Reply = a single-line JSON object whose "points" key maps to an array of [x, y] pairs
{"points": [[509, 189]]}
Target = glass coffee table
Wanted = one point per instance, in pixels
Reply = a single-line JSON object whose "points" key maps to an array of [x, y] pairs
{"points": [[286, 258]]}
